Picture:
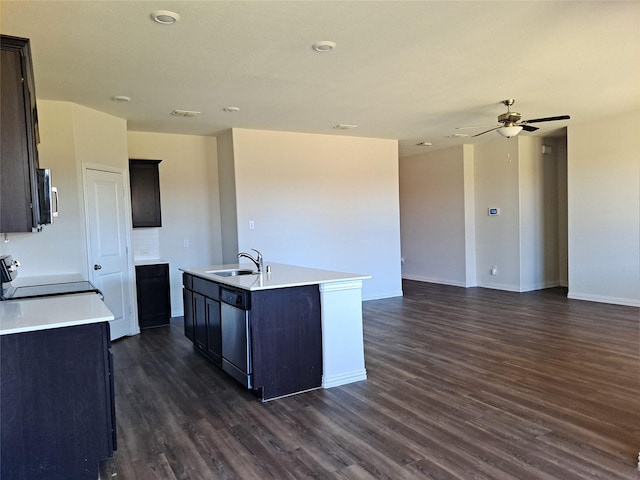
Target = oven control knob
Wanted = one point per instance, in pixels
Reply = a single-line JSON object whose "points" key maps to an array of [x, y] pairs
{"points": [[97, 267]]}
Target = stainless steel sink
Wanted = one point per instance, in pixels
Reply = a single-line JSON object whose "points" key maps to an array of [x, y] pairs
{"points": [[232, 272]]}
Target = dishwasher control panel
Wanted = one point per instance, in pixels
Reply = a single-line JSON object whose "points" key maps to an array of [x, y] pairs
{"points": [[238, 299]]}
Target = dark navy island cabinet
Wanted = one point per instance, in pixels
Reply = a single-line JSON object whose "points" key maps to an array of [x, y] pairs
{"points": [[57, 411]]}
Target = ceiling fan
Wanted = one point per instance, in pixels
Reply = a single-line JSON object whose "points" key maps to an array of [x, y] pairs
{"points": [[511, 125]]}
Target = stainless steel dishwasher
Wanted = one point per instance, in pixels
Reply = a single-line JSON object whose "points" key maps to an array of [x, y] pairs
{"points": [[236, 335]]}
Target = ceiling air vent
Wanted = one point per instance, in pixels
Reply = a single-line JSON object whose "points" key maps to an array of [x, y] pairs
{"points": [[184, 113]]}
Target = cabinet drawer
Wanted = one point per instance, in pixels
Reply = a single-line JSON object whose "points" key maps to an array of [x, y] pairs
{"points": [[152, 271], [206, 288]]}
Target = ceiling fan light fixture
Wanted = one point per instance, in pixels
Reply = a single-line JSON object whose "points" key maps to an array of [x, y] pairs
{"points": [[509, 132]]}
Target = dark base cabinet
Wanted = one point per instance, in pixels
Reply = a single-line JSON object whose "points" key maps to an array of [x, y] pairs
{"points": [[202, 316], [284, 328], [57, 407], [154, 297]]}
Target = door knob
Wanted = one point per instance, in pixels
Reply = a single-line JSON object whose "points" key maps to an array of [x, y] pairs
{"points": [[97, 267]]}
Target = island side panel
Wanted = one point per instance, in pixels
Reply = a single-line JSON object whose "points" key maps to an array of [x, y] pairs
{"points": [[56, 405], [286, 336], [342, 337]]}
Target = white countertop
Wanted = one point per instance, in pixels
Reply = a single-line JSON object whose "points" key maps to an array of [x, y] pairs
{"points": [[281, 276], [148, 261], [17, 316]]}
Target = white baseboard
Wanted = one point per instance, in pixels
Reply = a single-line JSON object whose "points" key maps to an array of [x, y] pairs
{"points": [[629, 302], [397, 293], [343, 379], [440, 281], [540, 286]]}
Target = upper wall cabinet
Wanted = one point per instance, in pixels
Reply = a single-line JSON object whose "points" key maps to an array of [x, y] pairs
{"points": [[19, 210], [145, 193]]}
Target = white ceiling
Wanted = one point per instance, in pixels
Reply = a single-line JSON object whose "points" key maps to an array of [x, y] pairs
{"points": [[409, 70]]}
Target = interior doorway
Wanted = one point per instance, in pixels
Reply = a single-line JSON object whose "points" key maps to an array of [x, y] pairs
{"points": [[108, 254]]}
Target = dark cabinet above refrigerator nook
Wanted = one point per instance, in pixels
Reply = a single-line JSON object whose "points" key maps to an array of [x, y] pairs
{"points": [[144, 179]]}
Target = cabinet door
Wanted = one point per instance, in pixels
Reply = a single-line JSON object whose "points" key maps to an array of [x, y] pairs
{"points": [[200, 321], [145, 193], [214, 333], [18, 157], [187, 298], [152, 288]]}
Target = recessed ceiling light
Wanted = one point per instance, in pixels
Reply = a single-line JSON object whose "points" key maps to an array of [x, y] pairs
{"points": [[231, 109], [424, 144], [323, 46], [165, 17], [344, 126], [121, 98]]}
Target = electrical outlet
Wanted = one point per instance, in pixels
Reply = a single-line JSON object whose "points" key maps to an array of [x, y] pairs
{"points": [[494, 270], [252, 225], [185, 243]]}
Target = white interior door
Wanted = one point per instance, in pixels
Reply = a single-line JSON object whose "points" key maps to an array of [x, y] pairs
{"points": [[108, 255]]}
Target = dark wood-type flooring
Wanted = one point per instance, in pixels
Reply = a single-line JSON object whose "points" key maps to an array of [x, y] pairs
{"points": [[462, 383]]}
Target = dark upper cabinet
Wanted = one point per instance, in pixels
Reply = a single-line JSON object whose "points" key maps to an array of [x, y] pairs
{"points": [[19, 210], [145, 193]]}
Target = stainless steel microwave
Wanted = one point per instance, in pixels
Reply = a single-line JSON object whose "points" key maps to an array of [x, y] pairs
{"points": [[47, 197]]}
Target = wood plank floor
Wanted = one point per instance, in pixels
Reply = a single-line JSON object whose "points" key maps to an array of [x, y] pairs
{"points": [[462, 384]]}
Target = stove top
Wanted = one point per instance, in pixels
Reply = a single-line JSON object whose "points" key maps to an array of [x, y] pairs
{"points": [[50, 286], [33, 291]]}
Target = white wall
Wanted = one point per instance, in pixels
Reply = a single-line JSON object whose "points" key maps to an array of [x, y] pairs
{"points": [[189, 202], [228, 213], [604, 209], [560, 145], [497, 237], [433, 216], [70, 136], [538, 187], [470, 216], [323, 201]]}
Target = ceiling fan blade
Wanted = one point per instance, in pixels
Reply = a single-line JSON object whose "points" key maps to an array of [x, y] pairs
{"points": [[548, 119], [529, 128], [477, 135], [476, 126]]}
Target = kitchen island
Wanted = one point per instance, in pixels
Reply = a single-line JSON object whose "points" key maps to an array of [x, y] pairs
{"points": [[57, 408], [303, 324]]}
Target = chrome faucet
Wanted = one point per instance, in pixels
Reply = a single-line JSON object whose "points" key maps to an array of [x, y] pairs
{"points": [[257, 261]]}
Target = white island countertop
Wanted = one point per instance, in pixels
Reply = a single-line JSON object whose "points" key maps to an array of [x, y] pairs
{"points": [[17, 316], [280, 276]]}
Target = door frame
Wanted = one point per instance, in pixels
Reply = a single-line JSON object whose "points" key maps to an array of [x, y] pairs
{"points": [[133, 313]]}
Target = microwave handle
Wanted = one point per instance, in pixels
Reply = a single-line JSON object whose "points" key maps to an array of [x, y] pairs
{"points": [[54, 211]]}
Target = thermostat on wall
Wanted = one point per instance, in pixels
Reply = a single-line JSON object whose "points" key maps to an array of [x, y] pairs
{"points": [[494, 211]]}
